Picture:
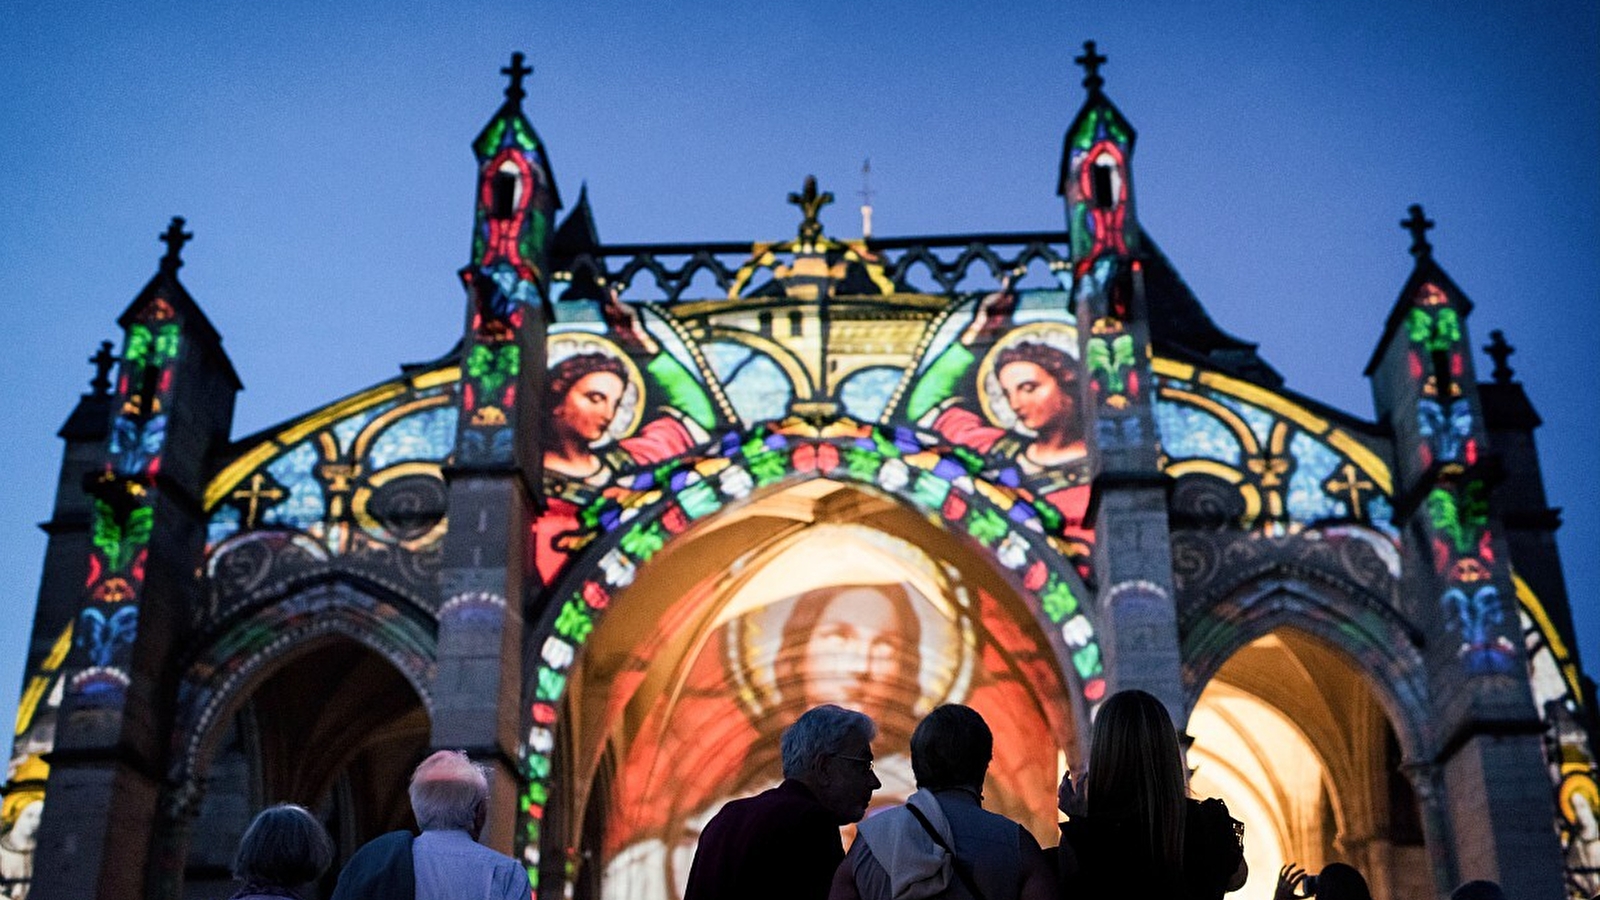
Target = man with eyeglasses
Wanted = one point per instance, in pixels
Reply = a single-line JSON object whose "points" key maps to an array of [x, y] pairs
{"points": [[784, 843]]}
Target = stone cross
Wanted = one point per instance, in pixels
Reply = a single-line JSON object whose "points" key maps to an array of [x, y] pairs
{"points": [[102, 361], [174, 237], [516, 72], [1091, 62], [1418, 225], [1500, 352]]}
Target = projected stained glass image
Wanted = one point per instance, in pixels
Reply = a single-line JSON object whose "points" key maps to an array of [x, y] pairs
{"points": [[1009, 391], [893, 649], [594, 393]]}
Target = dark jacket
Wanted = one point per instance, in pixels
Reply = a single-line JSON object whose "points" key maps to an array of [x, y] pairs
{"points": [[1106, 858], [380, 870], [894, 857], [778, 845]]}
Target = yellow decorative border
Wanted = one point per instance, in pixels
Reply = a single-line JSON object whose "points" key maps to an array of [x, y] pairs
{"points": [[1370, 464], [1530, 602], [296, 431], [41, 679]]}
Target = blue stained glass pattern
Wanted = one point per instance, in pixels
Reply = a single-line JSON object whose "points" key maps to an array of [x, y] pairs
{"points": [[294, 470], [1314, 464], [1190, 433], [426, 435], [867, 392], [753, 382], [1259, 420], [223, 525], [347, 428], [1380, 513], [725, 358]]}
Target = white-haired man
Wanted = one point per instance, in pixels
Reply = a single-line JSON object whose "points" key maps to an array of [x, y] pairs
{"points": [[450, 797], [783, 844]]}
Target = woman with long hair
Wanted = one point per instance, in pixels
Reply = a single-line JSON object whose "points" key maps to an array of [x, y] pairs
{"points": [[583, 392], [1133, 831]]}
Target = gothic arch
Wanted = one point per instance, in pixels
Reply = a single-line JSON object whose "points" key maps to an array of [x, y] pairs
{"points": [[252, 647], [941, 486], [1373, 638], [1308, 708], [384, 647]]}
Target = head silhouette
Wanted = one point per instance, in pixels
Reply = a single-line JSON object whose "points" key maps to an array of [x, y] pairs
{"points": [[951, 748], [1136, 774]]}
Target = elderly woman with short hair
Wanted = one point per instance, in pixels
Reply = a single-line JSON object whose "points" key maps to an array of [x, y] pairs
{"points": [[285, 848]]}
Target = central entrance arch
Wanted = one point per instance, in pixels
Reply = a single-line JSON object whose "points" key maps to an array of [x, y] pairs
{"points": [[819, 591]]}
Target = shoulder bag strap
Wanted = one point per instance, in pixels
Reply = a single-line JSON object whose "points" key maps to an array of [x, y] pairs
{"points": [[955, 865]]}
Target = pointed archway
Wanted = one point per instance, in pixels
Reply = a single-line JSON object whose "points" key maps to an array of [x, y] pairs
{"points": [[318, 698], [345, 756], [817, 591], [1008, 533], [1296, 739]]}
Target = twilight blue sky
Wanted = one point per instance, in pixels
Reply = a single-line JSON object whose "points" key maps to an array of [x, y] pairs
{"points": [[320, 152]]}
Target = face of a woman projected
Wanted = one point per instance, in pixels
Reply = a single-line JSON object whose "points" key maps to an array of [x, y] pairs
{"points": [[854, 654], [1037, 398], [589, 408]]}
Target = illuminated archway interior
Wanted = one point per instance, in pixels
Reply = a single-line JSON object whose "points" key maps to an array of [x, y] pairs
{"points": [[820, 594], [341, 757], [1294, 739]]}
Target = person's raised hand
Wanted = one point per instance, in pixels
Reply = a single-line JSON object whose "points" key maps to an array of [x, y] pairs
{"points": [[1070, 798], [992, 315], [1290, 877]]}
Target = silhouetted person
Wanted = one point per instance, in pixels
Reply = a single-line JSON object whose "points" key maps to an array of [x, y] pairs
{"points": [[942, 841], [450, 796], [1478, 890], [284, 847], [1336, 882], [784, 844], [1133, 832]]}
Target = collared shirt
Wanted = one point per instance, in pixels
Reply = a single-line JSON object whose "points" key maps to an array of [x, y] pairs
{"points": [[450, 865]]}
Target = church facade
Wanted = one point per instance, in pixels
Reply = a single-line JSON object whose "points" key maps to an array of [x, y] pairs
{"points": [[624, 531]]}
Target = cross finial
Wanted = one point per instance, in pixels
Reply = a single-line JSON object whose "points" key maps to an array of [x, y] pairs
{"points": [[810, 202], [1418, 225], [516, 72], [174, 237], [867, 193], [1091, 62], [1500, 352], [102, 361]]}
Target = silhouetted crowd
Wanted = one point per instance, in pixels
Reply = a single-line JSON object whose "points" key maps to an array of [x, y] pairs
{"points": [[1132, 832]]}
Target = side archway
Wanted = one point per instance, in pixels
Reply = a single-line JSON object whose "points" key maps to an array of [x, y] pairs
{"points": [[1380, 643], [318, 698], [1307, 710]]}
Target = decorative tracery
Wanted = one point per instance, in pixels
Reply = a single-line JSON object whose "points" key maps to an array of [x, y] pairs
{"points": [[1290, 468], [359, 481]]}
